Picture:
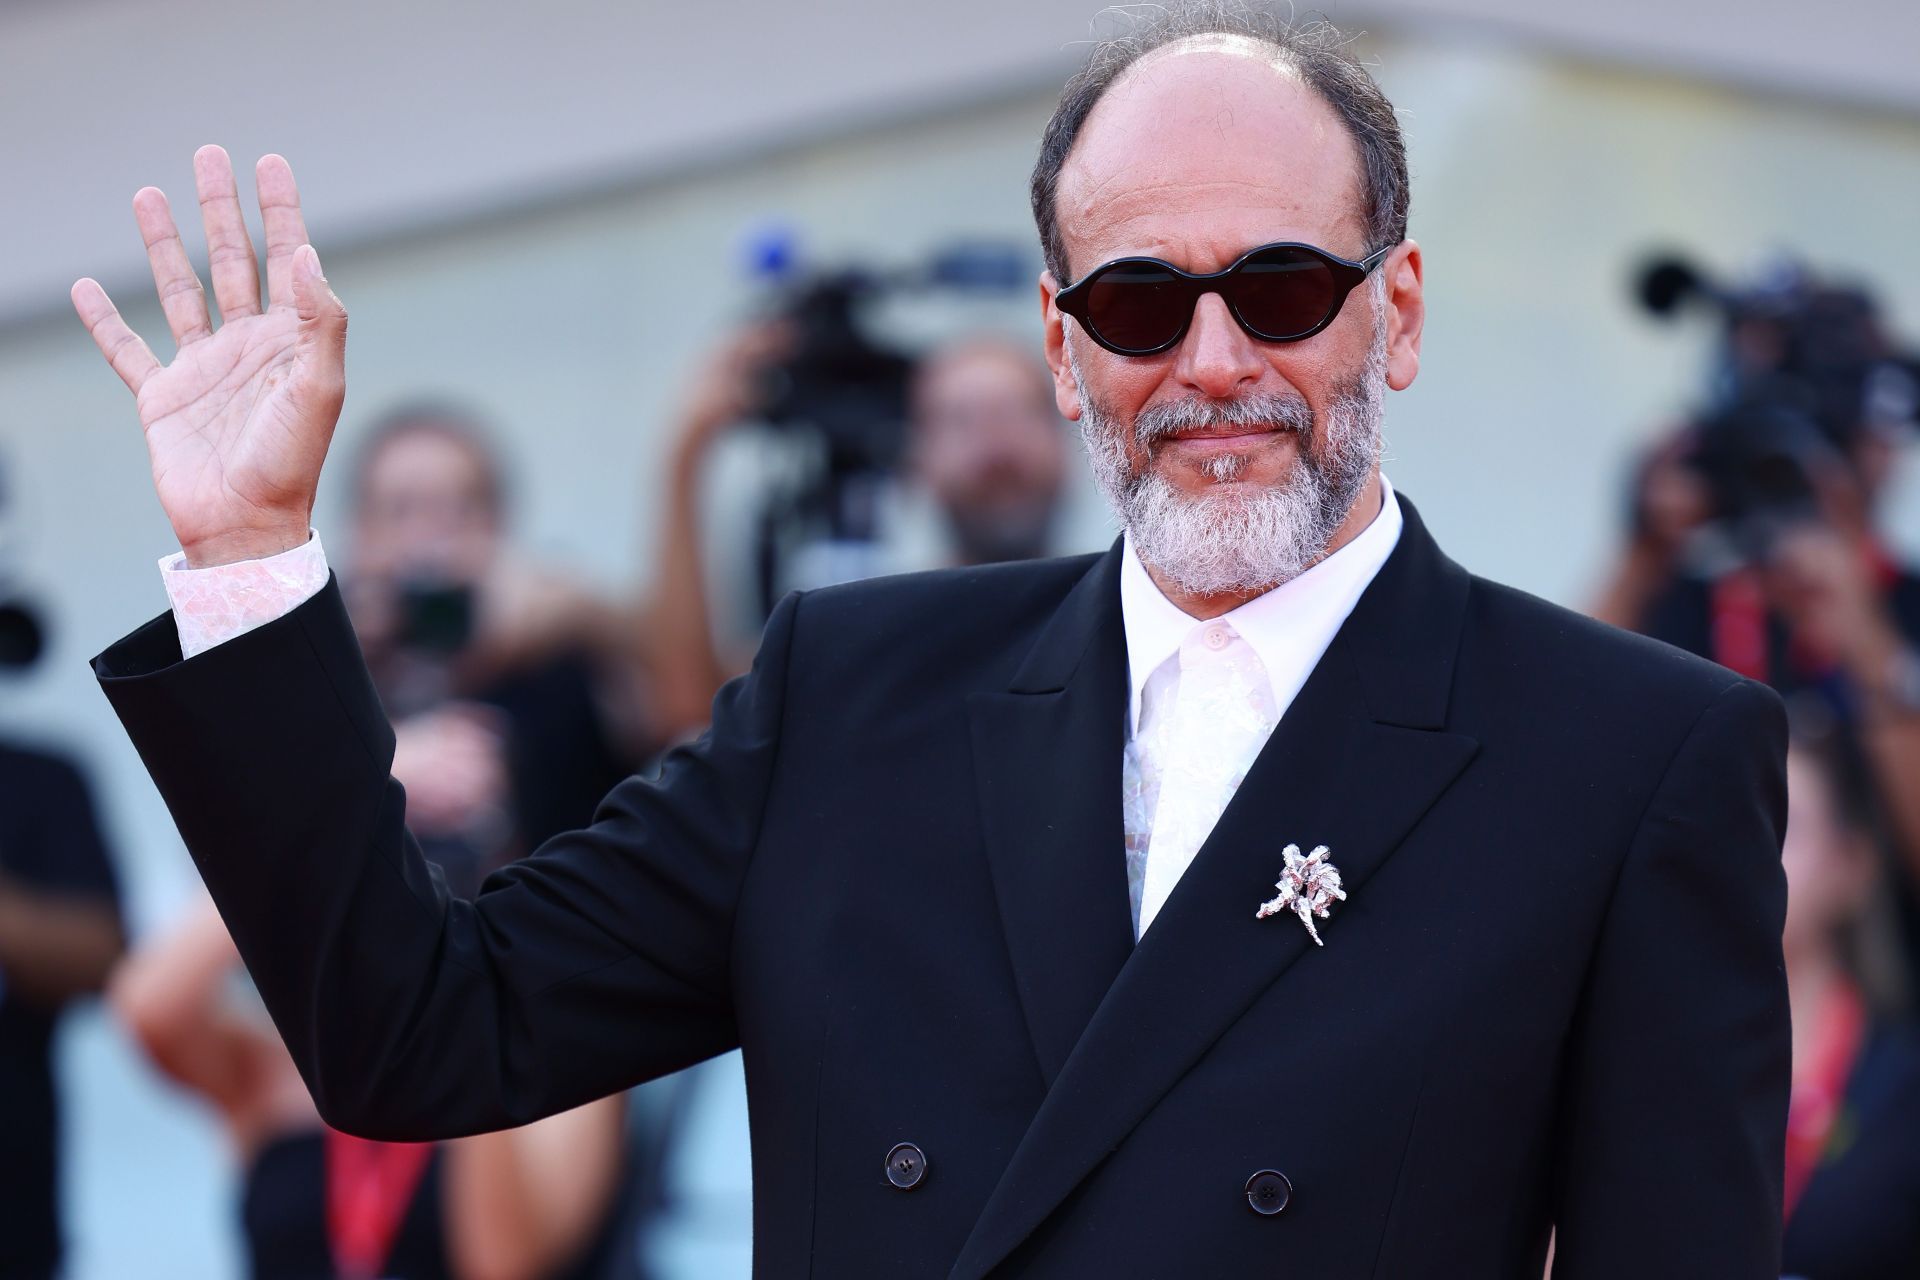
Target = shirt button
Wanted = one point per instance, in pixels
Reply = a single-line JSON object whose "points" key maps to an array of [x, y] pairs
{"points": [[1268, 1192], [906, 1166], [1218, 637]]}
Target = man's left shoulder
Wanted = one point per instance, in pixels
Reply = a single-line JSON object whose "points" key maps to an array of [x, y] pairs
{"points": [[946, 628], [1572, 670]]}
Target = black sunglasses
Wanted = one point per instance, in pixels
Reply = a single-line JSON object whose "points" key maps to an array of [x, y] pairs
{"points": [[1277, 292]]}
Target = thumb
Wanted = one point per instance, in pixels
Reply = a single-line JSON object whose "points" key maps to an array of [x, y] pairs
{"points": [[323, 320]]}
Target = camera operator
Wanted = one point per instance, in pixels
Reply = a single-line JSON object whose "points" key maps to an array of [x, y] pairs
{"points": [[983, 442], [508, 683], [987, 445], [1753, 532]]}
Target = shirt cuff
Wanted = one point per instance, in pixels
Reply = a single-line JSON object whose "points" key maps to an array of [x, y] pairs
{"points": [[213, 605]]}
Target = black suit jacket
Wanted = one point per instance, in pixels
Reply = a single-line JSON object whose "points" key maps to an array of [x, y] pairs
{"points": [[893, 873]]}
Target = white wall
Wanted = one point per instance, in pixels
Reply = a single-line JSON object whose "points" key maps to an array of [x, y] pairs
{"points": [[410, 114]]}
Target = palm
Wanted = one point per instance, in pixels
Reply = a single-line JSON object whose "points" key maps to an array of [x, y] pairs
{"points": [[222, 424], [237, 426]]}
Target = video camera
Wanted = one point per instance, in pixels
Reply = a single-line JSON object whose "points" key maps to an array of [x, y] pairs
{"points": [[843, 393], [1804, 368]]}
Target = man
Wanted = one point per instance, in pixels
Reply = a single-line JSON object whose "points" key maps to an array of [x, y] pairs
{"points": [[985, 443], [492, 665], [995, 1019]]}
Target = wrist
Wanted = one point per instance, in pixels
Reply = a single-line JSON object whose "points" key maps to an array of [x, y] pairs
{"points": [[244, 544]]}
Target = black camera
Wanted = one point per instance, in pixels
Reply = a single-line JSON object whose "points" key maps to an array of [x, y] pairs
{"points": [[844, 392], [436, 617], [1804, 367]]}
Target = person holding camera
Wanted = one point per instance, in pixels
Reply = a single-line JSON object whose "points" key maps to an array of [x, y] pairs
{"points": [[984, 444], [1753, 537], [489, 664]]}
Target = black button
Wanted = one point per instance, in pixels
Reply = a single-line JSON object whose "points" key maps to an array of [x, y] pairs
{"points": [[1268, 1191], [906, 1166]]}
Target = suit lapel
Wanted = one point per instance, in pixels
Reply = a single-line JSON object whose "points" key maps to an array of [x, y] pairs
{"points": [[1047, 763], [1356, 761]]}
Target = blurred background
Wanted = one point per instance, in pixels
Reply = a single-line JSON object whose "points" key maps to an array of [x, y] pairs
{"points": [[658, 311]]}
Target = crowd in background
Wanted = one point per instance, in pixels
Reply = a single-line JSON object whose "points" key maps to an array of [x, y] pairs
{"points": [[1754, 539], [519, 698]]}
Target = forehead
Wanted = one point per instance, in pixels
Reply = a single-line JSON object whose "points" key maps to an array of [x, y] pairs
{"points": [[1202, 150], [424, 455], [980, 371]]}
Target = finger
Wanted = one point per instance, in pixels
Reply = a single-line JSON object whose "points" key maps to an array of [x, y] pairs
{"points": [[286, 229], [121, 346], [323, 322], [181, 297], [230, 260]]}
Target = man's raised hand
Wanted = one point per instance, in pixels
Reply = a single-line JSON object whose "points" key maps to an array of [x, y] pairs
{"points": [[237, 426]]}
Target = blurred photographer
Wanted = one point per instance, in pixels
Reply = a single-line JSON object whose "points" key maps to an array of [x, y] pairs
{"points": [[982, 442], [987, 445], [507, 684], [1753, 535]]}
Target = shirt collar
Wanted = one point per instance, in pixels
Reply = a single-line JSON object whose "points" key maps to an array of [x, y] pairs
{"points": [[1289, 627]]}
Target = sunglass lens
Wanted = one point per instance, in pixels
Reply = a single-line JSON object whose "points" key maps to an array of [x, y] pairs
{"points": [[1137, 307], [1283, 293]]}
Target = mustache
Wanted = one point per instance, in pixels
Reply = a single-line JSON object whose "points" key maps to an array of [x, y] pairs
{"points": [[1280, 412]]}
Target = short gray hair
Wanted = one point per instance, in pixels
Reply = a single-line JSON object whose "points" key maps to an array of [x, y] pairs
{"points": [[1317, 51]]}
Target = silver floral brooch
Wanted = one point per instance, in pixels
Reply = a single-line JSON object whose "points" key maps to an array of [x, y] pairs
{"points": [[1307, 886]]}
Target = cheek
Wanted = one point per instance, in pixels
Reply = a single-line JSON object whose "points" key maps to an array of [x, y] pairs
{"points": [[1119, 385], [1319, 370]]}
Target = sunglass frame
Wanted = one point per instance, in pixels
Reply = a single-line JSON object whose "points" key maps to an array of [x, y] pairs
{"points": [[1347, 275]]}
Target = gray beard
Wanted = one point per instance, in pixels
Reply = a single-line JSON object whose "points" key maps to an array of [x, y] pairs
{"points": [[1231, 540]]}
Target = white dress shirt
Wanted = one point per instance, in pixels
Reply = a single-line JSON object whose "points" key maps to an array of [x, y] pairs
{"points": [[1267, 648], [1287, 629]]}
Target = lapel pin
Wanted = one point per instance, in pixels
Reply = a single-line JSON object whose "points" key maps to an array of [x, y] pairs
{"points": [[1307, 886]]}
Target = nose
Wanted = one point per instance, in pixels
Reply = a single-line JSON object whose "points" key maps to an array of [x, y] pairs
{"points": [[1217, 357]]}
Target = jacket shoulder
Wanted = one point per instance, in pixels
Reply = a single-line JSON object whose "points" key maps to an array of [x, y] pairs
{"points": [[899, 638], [951, 601], [1560, 656]]}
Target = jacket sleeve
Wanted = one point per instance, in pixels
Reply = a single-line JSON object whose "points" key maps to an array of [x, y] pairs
{"points": [[1675, 1107], [598, 961]]}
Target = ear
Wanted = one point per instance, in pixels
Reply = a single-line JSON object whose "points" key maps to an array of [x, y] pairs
{"points": [[1066, 390], [1406, 313]]}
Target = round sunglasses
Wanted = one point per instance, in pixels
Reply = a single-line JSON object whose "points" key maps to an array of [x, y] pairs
{"points": [[1278, 293]]}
